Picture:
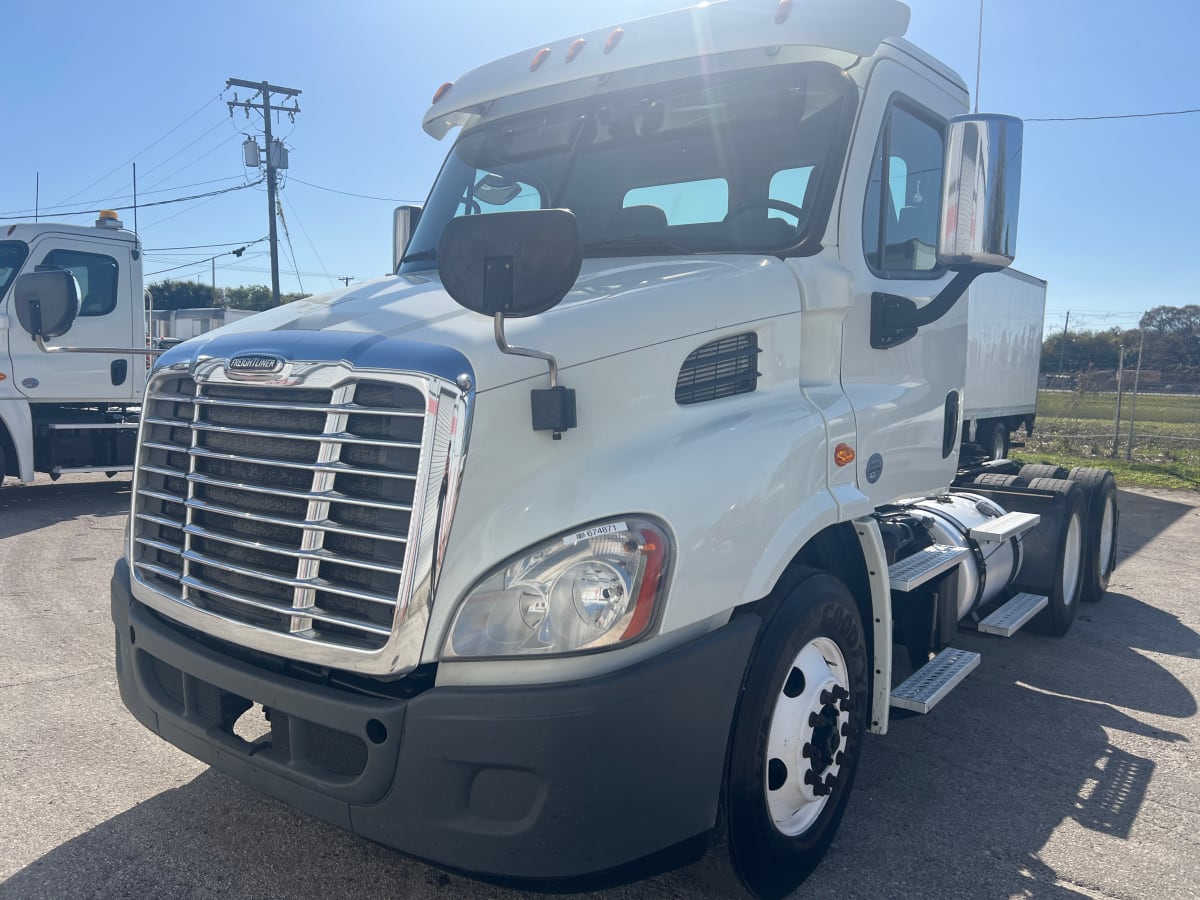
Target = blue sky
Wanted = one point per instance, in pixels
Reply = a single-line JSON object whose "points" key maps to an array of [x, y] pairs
{"points": [[1107, 206]]}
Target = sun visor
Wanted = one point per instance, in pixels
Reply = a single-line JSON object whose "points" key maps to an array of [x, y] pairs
{"points": [[723, 26]]}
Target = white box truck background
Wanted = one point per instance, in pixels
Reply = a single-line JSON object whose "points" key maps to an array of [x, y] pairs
{"points": [[635, 591]]}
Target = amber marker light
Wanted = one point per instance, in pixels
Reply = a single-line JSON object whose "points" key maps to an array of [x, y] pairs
{"points": [[442, 91], [843, 455], [575, 48], [613, 39], [538, 58]]}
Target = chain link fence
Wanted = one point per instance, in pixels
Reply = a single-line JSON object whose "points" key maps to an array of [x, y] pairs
{"points": [[1141, 416]]}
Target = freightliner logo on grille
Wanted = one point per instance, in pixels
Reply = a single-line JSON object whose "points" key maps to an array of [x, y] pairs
{"points": [[254, 364]]}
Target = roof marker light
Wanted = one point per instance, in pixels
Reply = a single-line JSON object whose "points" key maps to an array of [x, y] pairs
{"points": [[442, 91], [575, 48], [782, 11], [538, 58], [613, 39]]}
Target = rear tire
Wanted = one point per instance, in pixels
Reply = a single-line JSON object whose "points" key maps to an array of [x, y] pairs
{"points": [[796, 741], [992, 479], [1069, 542], [1029, 471], [1100, 490], [3, 465], [996, 441]]}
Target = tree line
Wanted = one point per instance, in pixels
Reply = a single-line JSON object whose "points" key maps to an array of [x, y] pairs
{"points": [[1172, 344], [194, 295]]}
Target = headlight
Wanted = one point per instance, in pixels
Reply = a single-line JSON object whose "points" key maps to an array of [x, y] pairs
{"points": [[588, 590]]}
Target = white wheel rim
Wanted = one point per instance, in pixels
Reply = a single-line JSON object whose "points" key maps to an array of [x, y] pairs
{"points": [[997, 444], [807, 737], [1107, 536], [1072, 557]]}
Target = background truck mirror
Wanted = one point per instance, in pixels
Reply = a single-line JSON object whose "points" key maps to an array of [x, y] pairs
{"points": [[47, 302], [981, 192], [515, 263]]}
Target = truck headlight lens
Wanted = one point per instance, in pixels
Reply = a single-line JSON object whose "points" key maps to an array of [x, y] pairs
{"points": [[589, 590]]}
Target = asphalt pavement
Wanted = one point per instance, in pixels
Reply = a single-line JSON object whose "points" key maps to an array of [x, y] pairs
{"points": [[1061, 768]]}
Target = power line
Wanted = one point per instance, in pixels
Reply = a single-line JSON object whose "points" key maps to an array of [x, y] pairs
{"points": [[304, 231], [349, 193], [1147, 115], [149, 146], [88, 212], [200, 246], [99, 203]]}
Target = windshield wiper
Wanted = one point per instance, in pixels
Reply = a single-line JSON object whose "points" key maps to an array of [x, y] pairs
{"points": [[637, 245], [423, 256]]}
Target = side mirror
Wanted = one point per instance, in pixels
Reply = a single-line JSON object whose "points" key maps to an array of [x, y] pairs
{"points": [[981, 192], [515, 263], [47, 302], [404, 223]]}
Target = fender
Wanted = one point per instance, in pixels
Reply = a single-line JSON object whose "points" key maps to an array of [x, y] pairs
{"points": [[18, 420]]}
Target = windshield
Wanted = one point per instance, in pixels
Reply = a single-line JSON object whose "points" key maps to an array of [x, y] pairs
{"points": [[12, 254], [743, 161]]}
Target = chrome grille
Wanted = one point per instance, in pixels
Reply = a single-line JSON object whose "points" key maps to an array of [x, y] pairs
{"points": [[291, 509]]}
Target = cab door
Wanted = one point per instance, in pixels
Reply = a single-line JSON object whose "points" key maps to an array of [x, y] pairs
{"points": [[110, 316], [906, 398]]}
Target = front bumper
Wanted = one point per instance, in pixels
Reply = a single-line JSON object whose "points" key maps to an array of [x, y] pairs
{"points": [[536, 781]]}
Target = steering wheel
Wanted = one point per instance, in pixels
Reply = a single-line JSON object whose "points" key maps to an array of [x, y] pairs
{"points": [[767, 203]]}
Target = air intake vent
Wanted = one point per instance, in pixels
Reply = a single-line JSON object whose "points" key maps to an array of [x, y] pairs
{"points": [[720, 369]]}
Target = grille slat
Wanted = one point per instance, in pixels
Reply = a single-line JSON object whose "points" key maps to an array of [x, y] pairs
{"points": [[318, 584], [295, 508], [311, 612], [348, 408], [291, 523], [339, 438], [281, 550], [329, 496]]}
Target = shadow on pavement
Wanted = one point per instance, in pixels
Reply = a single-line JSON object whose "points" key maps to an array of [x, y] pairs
{"points": [[28, 507], [1144, 516]]}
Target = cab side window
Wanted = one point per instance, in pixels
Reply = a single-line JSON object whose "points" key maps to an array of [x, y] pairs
{"points": [[97, 277], [904, 195]]}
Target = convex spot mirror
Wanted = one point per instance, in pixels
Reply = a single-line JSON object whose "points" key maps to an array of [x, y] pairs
{"points": [[47, 302], [981, 193], [515, 263]]}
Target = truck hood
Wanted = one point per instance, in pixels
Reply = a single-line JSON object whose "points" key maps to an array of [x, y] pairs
{"points": [[615, 306]]}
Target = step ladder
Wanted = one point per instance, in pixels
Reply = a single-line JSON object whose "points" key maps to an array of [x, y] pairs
{"points": [[927, 563], [1004, 528], [1013, 615], [922, 690]]}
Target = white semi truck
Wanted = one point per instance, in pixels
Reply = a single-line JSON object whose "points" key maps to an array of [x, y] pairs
{"points": [[601, 535], [73, 411]]}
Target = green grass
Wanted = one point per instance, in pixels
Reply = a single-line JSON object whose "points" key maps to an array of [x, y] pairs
{"points": [[1076, 429]]}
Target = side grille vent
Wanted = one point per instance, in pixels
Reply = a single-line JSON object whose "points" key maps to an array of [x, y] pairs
{"points": [[720, 369]]}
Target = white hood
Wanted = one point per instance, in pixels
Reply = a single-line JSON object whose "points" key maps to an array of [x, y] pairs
{"points": [[614, 307]]}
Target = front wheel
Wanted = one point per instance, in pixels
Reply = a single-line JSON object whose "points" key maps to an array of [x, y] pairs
{"points": [[796, 741]]}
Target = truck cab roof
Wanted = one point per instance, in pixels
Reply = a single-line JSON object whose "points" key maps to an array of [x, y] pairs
{"points": [[848, 27]]}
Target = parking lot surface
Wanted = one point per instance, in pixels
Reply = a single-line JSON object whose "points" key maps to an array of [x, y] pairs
{"points": [[1061, 768]]}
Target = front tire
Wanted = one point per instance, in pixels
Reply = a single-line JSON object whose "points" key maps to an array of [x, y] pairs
{"points": [[796, 741]]}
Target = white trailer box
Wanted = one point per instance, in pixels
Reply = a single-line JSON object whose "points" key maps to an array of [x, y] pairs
{"points": [[1004, 347]]}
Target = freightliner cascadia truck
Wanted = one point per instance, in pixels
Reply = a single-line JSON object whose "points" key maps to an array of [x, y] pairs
{"points": [[608, 528]]}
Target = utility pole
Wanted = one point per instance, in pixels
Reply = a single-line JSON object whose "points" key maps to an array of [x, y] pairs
{"points": [[265, 90], [346, 279], [1062, 353]]}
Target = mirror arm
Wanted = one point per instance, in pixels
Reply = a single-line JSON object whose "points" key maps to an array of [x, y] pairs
{"points": [[895, 319], [137, 351], [506, 347]]}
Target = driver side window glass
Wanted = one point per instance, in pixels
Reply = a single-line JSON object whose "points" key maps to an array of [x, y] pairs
{"points": [[904, 195], [97, 277]]}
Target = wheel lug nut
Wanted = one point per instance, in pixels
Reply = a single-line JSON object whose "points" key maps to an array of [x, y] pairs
{"points": [[840, 692], [828, 697], [813, 720], [810, 778], [806, 751], [839, 759], [845, 729]]}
